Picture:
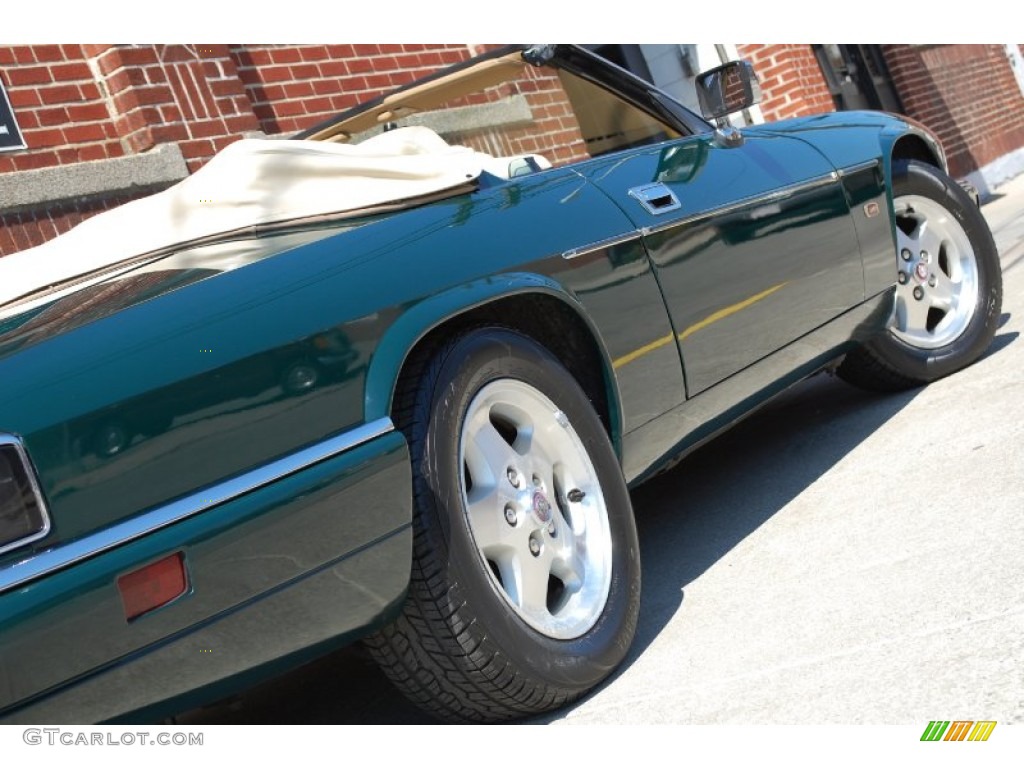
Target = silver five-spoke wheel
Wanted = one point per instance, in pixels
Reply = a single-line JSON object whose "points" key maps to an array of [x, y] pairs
{"points": [[535, 508], [937, 285], [948, 286]]}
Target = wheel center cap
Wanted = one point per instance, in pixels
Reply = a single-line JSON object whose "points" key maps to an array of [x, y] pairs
{"points": [[921, 271], [541, 508]]}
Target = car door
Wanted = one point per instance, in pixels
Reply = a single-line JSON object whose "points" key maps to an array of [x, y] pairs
{"points": [[752, 245]]}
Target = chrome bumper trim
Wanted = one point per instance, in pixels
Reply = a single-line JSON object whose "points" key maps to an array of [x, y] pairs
{"points": [[48, 561]]}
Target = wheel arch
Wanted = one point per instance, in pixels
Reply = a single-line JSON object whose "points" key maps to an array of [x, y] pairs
{"points": [[914, 142], [532, 304]]}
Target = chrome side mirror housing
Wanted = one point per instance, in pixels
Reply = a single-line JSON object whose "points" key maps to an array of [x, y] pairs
{"points": [[729, 88]]}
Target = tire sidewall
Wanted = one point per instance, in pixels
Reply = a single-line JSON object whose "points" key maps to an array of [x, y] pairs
{"points": [[915, 178], [576, 664]]}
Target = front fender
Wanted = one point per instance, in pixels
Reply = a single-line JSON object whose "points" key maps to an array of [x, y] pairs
{"points": [[429, 314]]}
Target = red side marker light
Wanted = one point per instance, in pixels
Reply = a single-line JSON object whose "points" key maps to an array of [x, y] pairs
{"points": [[153, 585]]}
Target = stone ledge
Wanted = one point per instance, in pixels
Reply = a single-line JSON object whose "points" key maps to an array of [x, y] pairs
{"points": [[96, 179], [510, 112]]}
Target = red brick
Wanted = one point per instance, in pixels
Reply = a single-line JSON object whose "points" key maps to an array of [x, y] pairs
{"points": [[109, 61], [24, 98], [197, 148], [285, 55], [153, 94], [200, 129], [91, 152], [75, 70], [275, 74], [286, 108], [27, 120], [123, 79], [240, 123], [332, 68], [359, 65], [20, 76], [23, 55], [166, 134], [304, 71], [47, 52], [7, 245], [60, 94], [6, 55], [52, 116], [22, 239], [378, 81], [298, 90], [43, 137], [32, 160], [85, 132], [225, 87], [136, 55], [87, 112], [321, 87], [92, 50], [258, 57], [222, 141]]}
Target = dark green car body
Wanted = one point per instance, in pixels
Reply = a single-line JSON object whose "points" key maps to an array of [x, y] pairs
{"points": [[242, 417]]}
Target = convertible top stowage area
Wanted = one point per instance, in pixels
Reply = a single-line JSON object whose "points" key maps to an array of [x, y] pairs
{"points": [[250, 184]]}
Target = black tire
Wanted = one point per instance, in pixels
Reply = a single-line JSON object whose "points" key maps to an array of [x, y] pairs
{"points": [[461, 649], [924, 344]]}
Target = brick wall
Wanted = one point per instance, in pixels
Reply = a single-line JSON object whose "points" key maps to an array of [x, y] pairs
{"points": [[791, 81], [59, 107], [967, 94], [293, 87]]}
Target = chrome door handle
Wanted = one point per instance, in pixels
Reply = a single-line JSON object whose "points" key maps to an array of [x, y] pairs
{"points": [[656, 198]]}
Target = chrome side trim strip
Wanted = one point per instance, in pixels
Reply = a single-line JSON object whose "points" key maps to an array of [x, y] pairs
{"points": [[778, 194], [572, 253], [51, 560], [26, 463], [859, 167]]}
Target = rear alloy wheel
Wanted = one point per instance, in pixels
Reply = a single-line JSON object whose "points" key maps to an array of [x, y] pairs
{"points": [[526, 575], [948, 291]]}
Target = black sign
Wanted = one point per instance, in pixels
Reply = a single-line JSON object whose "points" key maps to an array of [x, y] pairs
{"points": [[10, 134]]}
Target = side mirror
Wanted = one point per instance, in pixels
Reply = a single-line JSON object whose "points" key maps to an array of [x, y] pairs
{"points": [[726, 89]]}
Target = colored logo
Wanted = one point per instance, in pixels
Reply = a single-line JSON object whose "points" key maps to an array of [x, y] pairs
{"points": [[958, 730]]}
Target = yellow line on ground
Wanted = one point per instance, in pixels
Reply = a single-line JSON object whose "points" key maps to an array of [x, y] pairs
{"points": [[714, 317]]}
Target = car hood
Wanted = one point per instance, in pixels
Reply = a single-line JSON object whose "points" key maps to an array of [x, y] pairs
{"points": [[831, 121], [848, 137]]}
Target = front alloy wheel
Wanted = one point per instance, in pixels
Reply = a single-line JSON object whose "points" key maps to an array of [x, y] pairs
{"points": [[948, 286], [937, 285]]}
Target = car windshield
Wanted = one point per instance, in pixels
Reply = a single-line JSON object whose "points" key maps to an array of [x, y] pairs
{"points": [[509, 108]]}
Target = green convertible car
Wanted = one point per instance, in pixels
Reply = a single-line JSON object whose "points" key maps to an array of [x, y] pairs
{"points": [[391, 380]]}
